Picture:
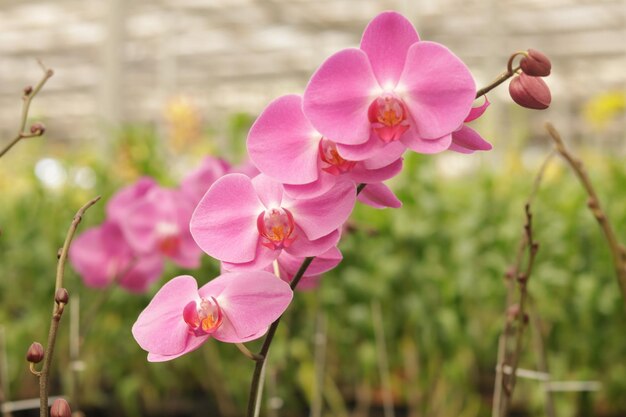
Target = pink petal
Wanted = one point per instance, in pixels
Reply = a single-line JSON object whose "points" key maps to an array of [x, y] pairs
{"points": [[322, 263], [386, 41], [197, 182], [283, 144], [439, 89], [426, 146], [227, 334], [269, 191], [314, 189], [392, 152], [373, 147], [193, 344], [142, 273], [379, 196], [262, 258], [160, 328], [338, 96], [319, 216], [467, 140], [360, 174], [126, 197], [478, 111], [303, 247], [251, 301], [99, 254], [224, 223]]}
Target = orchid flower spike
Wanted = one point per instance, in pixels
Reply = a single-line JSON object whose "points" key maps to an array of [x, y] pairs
{"points": [[394, 91], [234, 308], [246, 223]]}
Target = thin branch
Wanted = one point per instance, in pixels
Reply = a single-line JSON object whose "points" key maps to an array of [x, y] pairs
{"points": [[515, 314], [499, 80], [618, 251], [57, 311], [29, 95]]}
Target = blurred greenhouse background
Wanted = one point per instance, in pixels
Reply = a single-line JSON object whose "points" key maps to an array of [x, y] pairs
{"points": [[151, 87]]}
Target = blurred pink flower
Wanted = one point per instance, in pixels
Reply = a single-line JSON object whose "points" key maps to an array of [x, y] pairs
{"points": [[247, 223], [234, 308], [156, 220], [101, 256], [284, 145], [198, 181], [394, 92]]}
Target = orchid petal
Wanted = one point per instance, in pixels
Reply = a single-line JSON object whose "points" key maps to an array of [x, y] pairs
{"points": [[438, 89], [379, 196], [467, 140], [338, 96], [386, 41], [224, 223], [283, 144]]}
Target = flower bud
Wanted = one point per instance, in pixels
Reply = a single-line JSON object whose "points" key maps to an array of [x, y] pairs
{"points": [[35, 353], [37, 128], [28, 89], [60, 408], [536, 64], [530, 92], [61, 296]]}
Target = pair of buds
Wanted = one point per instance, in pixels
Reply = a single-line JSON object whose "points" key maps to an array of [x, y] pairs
{"points": [[528, 89]]}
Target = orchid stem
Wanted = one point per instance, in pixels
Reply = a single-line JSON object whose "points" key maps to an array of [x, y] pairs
{"points": [[499, 80], [57, 311], [247, 352]]}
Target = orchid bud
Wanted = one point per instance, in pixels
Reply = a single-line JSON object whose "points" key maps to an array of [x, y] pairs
{"points": [[60, 408], [536, 64], [61, 296], [28, 89], [35, 353], [37, 128], [530, 92]]}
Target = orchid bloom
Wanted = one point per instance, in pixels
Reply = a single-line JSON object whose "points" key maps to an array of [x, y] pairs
{"points": [[246, 223], [284, 145], [156, 220], [467, 140], [198, 181], [235, 307], [394, 92], [101, 256]]}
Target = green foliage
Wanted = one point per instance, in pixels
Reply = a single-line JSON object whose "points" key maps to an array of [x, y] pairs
{"points": [[435, 266]]}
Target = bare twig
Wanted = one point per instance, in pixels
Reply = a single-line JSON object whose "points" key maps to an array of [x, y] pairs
{"points": [[618, 251], [27, 97], [515, 313], [57, 310]]}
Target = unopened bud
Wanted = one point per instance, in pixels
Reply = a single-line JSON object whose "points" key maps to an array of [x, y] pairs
{"points": [[37, 128], [512, 312], [530, 92], [60, 408], [35, 353], [536, 64], [28, 89], [61, 296]]}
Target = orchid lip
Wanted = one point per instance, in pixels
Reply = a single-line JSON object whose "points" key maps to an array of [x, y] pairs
{"points": [[203, 318], [276, 227], [332, 162], [389, 118]]}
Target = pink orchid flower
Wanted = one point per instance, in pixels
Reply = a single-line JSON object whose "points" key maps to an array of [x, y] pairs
{"points": [[198, 181], [284, 145], [467, 140], [156, 220], [101, 256], [235, 307], [394, 92], [246, 223]]}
